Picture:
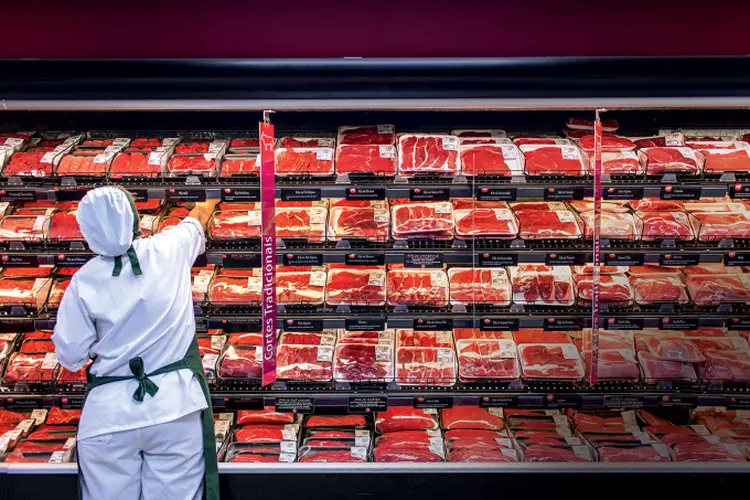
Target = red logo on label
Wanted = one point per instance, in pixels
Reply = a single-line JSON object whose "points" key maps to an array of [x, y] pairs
{"points": [[668, 256], [9, 400], [486, 255], [352, 255], [290, 256], [417, 191], [552, 190], [485, 190], [5, 258], [420, 321], [611, 321], [738, 187], [551, 320], [612, 256], [64, 401], [2, 193], [611, 190], [290, 322], [665, 398], [486, 322], [550, 397], [227, 191], [353, 191], [665, 321], [735, 320], [553, 256], [733, 254], [668, 189], [60, 256]]}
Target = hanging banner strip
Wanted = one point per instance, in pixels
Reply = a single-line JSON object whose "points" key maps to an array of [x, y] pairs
{"points": [[268, 248], [595, 303]]}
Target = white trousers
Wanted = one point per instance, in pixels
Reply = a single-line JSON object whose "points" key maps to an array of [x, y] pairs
{"points": [[163, 462]]}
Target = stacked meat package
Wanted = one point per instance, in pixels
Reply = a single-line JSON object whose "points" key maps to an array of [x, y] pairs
{"points": [[336, 438], [38, 436], [475, 434], [546, 436], [406, 434], [264, 436]]}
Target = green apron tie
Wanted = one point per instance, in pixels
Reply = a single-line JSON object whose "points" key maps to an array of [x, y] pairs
{"points": [[192, 362], [134, 263]]}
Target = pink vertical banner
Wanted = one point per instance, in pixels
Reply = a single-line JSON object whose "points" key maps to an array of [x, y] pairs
{"points": [[595, 302], [268, 250]]}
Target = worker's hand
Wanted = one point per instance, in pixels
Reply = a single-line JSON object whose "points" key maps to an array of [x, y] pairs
{"points": [[203, 210]]}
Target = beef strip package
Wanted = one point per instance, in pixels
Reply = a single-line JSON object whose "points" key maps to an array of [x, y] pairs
{"points": [[402, 418], [479, 286]]}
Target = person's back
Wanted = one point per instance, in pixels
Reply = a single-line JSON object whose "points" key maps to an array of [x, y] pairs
{"points": [[130, 310]]}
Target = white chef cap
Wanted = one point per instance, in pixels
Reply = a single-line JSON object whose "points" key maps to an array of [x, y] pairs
{"points": [[109, 222]]}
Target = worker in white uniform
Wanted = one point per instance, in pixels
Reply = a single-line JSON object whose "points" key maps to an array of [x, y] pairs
{"points": [[146, 430]]}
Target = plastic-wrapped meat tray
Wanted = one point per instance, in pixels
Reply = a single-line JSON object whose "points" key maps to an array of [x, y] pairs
{"points": [[301, 287], [315, 162], [30, 368], [68, 377], [233, 164], [425, 366], [659, 289], [23, 292], [267, 416], [470, 417], [679, 160], [504, 160], [336, 421], [263, 434], [304, 362], [551, 361], [666, 225], [235, 225], [668, 348], [419, 338], [535, 285], [64, 226], [28, 164], [363, 363], [655, 370], [398, 418], [614, 289], [547, 224], [545, 453], [717, 289], [422, 220], [366, 134], [379, 160], [719, 226], [615, 364], [485, 223], [81, 164], [133, 163], [705, 452], [240, 362], [644, 453], [328, 455], [24, 228], [370, 222], [307, 223], [554, 160], [191, 165], [479, 286], [614, 226], [353, 286], [487, 359], [235, 290], [305, 142], [428, 154], [726, 157], [418, 287], [726, 366]]}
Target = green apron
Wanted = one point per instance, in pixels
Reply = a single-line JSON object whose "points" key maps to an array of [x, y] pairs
{"points": [[192, 362]]}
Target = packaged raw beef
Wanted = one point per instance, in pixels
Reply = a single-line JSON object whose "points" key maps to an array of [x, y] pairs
{"points": [[487, 359], [336, 421], [79, 164], [678, 160], [603, 270], [235, 290], [363, 363], [301, 287], [540, 336], [729, 156], [252, 338], [657, 289], [553, 160], [268, 415], [726, 366], [706, 269], [473, 455], [423, 338], [547, 224], [167, 222], [306, 223], [192, 165], [545, 453], [366, 134], [638, 453], [521, 140], [717, 289], [68, 377], [240, 362], [353, 286], [304, 362], [614, 289], [534, 285], [719, 226], [311, 161], [370, 222], [609, 142], [669, 348], [485, 222], [615, 364], [64, 226], [587, 205], [717, 343], [56, 292], [479, 286], [24, 292], [234, 225], [613, 226], [619, 162], [610, 340], [134, 163], [306, 142], [428, 154], [193, 147], [262, 434], [478, 333], [365, 337], [422, 454], [551, 361], [403, 418], [504, 160], [712, 205], [376, 159], [427, 219], [28, 164], [24, 228], [58, 416], [656, 205], [145, 142], [666, 225], [655, 370], [425, 366], [325, 337], [424, 287], [470, 417], [31, 368], [236, 164], [706, 452]]}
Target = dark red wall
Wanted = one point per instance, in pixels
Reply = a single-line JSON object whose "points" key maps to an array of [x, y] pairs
{"points": [[371, 28]]}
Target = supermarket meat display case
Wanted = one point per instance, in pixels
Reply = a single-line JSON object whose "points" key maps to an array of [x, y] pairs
{"points": [[464, 301]]}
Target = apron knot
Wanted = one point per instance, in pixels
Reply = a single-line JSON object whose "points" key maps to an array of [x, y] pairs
{"points": [[145, 385]]}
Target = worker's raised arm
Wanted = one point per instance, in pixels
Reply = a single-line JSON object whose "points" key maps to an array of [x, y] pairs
{"points": [[202, 211]]}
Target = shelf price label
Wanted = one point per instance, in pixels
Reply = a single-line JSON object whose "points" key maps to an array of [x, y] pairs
{"points": [[671, 192], [622, 193], [496, 194], [677, 323], [739, 191], [563, 194], [562, 324]]}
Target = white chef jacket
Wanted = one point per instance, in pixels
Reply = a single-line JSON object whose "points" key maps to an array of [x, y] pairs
{"points": [[116, 318]]}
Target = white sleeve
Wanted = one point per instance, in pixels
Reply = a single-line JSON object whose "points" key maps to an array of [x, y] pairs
{"points": [[75, 331], [189, 234]]}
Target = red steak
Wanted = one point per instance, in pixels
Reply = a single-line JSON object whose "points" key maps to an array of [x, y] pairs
{"points": [[428, 154], [366, 158]]}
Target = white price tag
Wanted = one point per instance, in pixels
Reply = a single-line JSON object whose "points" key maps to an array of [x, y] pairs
{"points": [[361, 433], [289, 433], [4, 443], [376, 278], [72, 140], [324, 154], [509, 152], [509, 452], [628, 417], [221, 429], [325, 353], [674, 139], [498, 412], [57, 457], [733, 449], [387, 151], [14, 142], [317, 216], [253, 283], [551, 413], [48, 157], [445, 356], [499, 278], [121, 142], [25, 425], [569, 351], [147, 222], [565, 217], [13, 435], [209, 362], [380, 215], [443, 338], [209, 156], [170, 141], [39, 416], [572, 441], [362, 441], [450, 143], [359, 452], [712, 439], [50, 361], [561, 420], [582, 452], [258, 354], [563, 142], [287, 458], [383, 353], [431, 411], [443, 208], [154, 158], [643, 437], [103, 157], [504, 442], [327, 339], [386, 129], [434, 432], [569, 153], [507, 349], [661, 449], [69, 443], [318, 279], [38, 224], [215, 146], [288, 446], [253, 217]]}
